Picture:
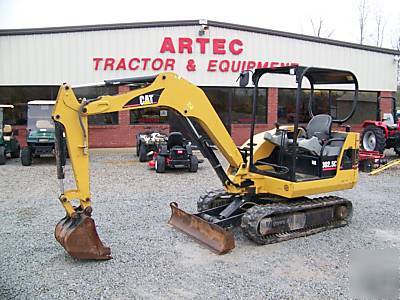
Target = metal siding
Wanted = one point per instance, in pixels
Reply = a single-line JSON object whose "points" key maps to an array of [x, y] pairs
{"points": [[50, 59]]}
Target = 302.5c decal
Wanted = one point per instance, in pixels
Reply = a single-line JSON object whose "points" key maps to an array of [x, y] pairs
{"points": [[145, 99], [329, 165]]}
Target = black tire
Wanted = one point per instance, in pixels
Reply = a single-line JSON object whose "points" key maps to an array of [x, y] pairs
{"points": [[365, 166], [142, 153], [213, 198], [397, 150], [160, 164], [137, 147], [194, 164], [2, 155], [26, 156], [373, 139], [15, 153]]}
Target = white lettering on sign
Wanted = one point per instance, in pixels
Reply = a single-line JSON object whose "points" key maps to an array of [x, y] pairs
{"points": [[146, 99], [329, 164]]}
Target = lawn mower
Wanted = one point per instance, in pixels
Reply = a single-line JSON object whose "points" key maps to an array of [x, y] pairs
{"points": [[175, 154], [147, 143]]}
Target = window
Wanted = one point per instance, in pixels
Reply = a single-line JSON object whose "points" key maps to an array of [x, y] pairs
{"points": [[92, 92], [235, 105], [220, 98], [287, 106], [365, 110], [149, 115], [337, 103], [242, 106], [104, 119], [19, 96]]}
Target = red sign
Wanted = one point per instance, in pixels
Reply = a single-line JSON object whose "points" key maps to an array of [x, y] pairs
{"points": [[187, 45]]}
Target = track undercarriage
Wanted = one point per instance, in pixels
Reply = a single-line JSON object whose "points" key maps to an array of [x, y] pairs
{"points": [[264, 219]]}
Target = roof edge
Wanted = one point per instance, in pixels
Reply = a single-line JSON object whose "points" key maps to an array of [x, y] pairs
{"points": [[99, 27], [303, 37]]}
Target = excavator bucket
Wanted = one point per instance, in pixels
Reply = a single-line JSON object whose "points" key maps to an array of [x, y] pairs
{"points": [[79, 238], [211, 235]]}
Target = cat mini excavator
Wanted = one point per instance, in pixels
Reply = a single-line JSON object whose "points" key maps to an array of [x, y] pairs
{"points": [[267, 180]]}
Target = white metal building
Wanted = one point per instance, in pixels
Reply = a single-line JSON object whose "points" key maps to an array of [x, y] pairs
{"points": [[33, 62]]}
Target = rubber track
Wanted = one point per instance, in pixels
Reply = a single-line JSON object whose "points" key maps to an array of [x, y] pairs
{"points": [[253, 216], [212, 199]]}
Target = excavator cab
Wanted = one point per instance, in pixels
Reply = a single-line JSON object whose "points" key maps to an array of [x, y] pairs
{"points": [[281, 167], [311, 152]]}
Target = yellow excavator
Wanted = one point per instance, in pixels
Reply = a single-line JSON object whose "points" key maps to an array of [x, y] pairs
{"points": [[266, 183]]}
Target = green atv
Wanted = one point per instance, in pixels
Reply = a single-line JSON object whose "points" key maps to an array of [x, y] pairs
{"points": [[41, 132], [8, 142]]}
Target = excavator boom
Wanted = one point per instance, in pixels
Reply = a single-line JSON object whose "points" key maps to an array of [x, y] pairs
{"points": [[166, 90]]}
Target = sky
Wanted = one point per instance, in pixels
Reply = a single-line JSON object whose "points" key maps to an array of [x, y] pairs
{"points": [[340, 17]]}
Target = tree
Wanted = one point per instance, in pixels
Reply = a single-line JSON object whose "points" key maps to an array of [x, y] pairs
{"points": [[317, 28], [380, 28], [396, 45], [362, 18]]}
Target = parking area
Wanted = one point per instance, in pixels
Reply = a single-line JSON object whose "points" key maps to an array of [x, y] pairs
{"points": [[153, 260]]}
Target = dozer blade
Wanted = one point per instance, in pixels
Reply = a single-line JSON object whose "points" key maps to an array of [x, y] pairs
{"points": [[79, 238], [213, 236]]}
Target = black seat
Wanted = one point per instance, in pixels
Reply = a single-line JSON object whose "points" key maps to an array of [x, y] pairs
{"points": [[318, 131], [389, 121], [175, 139], [319, 126]]}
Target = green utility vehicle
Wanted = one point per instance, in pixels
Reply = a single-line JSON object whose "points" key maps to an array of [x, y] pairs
{"points": [[40, 131], [8, 142]]}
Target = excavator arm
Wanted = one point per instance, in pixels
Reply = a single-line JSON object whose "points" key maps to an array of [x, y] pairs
{"points": [[166, 90]]}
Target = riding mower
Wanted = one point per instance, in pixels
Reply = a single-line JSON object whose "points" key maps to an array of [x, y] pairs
{"points": [[382, 134], [8, 142], [176, 154], [40, 127], [147, 143]]}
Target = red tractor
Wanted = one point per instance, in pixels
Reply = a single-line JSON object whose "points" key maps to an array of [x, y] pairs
{"points": [[380, 135]]}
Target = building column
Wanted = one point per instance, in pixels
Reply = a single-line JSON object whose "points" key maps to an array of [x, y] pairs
{"points": [[272, 107], [123, 115], [386, 103]]}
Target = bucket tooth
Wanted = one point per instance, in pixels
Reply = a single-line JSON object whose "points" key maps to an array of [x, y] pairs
{"points": [[211, 235], [79, 238]]}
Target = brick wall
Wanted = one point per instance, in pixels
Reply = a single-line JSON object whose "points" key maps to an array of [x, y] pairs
{"points": [[386, 103], [21, 137], [272, 107]]}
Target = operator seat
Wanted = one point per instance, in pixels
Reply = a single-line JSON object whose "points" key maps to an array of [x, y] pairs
{"points": [[7, 133], [389, 121], [320, 126], [175, 139], [319, 130], [317, 133]]}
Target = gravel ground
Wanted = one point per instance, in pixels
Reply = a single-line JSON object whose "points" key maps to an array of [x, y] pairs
{"points": [[152, 260]]}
